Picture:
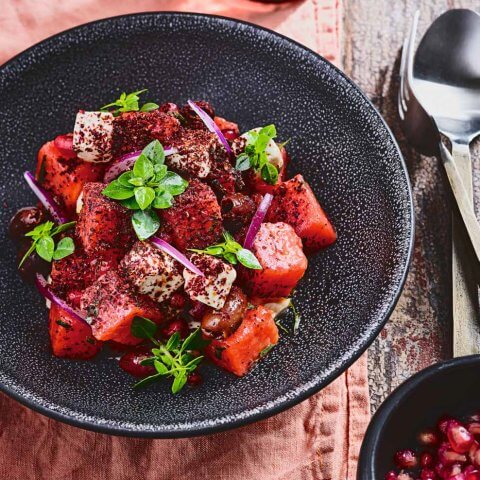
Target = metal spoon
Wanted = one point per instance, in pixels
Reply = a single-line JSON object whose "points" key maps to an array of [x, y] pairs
{"points": [[446, 81]]}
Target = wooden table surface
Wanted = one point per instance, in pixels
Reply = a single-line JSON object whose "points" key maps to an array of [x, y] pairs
{"points": [[419, 332]]}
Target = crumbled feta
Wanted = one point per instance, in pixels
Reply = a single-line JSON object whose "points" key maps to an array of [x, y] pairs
{"points": [[151, 271], [92, 136], [214, 287]]}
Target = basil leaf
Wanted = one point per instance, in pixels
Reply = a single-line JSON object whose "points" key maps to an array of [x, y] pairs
{"points": [[154, 152], [193, 364], [144, 196], [142, 327], [270, 131], [173, 183], [117, 191], [173, 342], [148, 362], [179, 382], [45, 248], [145, 223], [270, 173], [160, 368], [248, 259], [162, 200], [64, 248], [143, 167], [148, 107], [148, 380], [230, 258], [40, 230], [160, 171], [136, 182], [27, 253], [243, 162], [63, 227], [124, 179], [130, 203]]}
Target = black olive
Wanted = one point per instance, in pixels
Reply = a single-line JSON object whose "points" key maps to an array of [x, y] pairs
{"points": [[23, 221], [32, 265]]}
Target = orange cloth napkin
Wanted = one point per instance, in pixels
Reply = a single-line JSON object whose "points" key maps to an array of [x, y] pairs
{"points": [[317, 439]]}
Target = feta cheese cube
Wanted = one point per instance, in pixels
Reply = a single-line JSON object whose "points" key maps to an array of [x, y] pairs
{"points": [[92, 136], [151, 271], [214, 287]]}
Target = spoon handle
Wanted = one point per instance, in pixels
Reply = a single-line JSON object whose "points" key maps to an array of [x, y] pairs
{"points": [[466, 328], [464, 202]]}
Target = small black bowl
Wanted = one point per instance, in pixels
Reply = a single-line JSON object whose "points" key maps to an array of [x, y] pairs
{"points": [[446, 388]]}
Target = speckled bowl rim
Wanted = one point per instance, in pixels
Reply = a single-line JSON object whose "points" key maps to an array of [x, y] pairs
{"points": [[296, 395], [366, 461]]}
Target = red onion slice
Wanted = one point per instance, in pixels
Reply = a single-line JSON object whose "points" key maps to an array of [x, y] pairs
{"points": [[211, 125], [173, 252], [46, 292], [257, 220], [126, 162], [46, 199]]}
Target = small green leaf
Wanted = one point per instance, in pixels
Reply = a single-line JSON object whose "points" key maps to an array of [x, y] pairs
{"points": [[45, 248], [179, 382], [173, 342], [130, 203], [154, 152], [162, 200], [64, 248], [148, 107], [269, 131], [160, 367], [142, 327], [124, 179], [186, 345], [143, 167], [144, 196], [242, 162], [270, 173], [117, 191], [230, 258], [40, 230], [148, 362], [27, 254], [248, 259], [145, 223], [136, 182], [266, 350], [148, 380], [160, 171], [63, 228], [173, 183]]}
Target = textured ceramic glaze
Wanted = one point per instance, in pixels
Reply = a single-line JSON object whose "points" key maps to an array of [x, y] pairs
{"points": [[255, 77]]}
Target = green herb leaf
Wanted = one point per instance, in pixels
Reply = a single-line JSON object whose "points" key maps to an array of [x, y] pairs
{"points": [[45, 248], [143, 167], [130, 203], [248, 259], [142, 327], [154, 152], [173, 183], [173, 342], [160, 172], [269, 173], [145, 223], [144, 196], [27, 254], [148, 107], [136, 181], [232, 252], [64, 248], [124, 179], [162, 200], [179, 382], [160, 367], [243, 162], [125, 103], [63, 228], [266, 350], [148, 380], [117, 191]]}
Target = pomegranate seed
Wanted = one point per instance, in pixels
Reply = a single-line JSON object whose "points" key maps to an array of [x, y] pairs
{"points": [[473, 475], [177, 300], [130, 363], [405, 459], [468, 469], [448, 456], [179, 325], [444, 422], [429, 438], [460, 438], [426, 459], [474, 428], [196, 379], [230, 134], [439, 468], [391, 475], [427, 474], [198, 310]]}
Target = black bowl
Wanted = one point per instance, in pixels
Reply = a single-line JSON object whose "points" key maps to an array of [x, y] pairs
{"points": [[253, 76], [446, 388]]}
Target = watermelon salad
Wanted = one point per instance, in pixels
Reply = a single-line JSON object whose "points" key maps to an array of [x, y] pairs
{"points": [[165, 234]]}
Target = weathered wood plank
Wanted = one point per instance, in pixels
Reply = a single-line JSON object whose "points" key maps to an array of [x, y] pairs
{"points": [[419, 332]]}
